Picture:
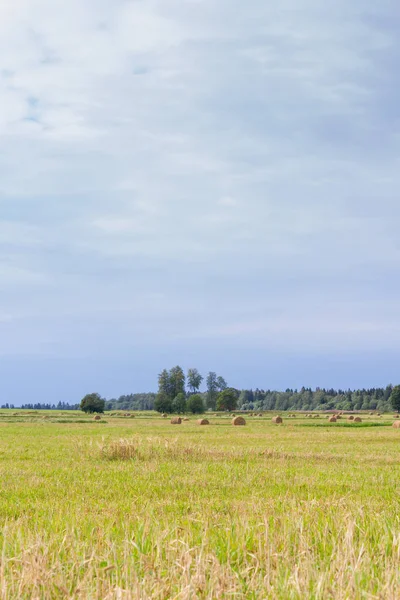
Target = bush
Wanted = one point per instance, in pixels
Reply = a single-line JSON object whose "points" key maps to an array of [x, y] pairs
{"points": [[228, 399], [93, 403], [163, 404], [179, 404], [195, 405]]}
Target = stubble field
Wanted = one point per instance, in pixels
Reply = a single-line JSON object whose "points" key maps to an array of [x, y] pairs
{"points": [[138, 508]]}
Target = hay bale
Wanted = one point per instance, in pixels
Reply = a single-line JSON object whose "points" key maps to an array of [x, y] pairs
{"points": [[186, 419], [396, 425], [176, 421], [260, 415], [97, 418], [371, 413], [332, 419], [277, 420], [203, 422], [338, 417], [350, 418], [358, 420], [164, 415], [238, 421], [396, 416]]}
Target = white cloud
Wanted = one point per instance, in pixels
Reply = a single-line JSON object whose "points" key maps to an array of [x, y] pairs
{"points": [[213, 150]]}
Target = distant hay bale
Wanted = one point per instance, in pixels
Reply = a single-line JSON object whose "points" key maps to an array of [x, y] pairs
{"points": [[396, 425], [338, 417], [97, 418], [176, 421], [316, 416], [332, 419], [203, 422], [186, 419], [260, 415], [350, 418], [164, 415], [358, 420], [277, 420], [396, 416], [238, 421]]}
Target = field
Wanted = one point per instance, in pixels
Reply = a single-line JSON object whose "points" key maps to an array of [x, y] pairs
{"points": [[138, 508]]}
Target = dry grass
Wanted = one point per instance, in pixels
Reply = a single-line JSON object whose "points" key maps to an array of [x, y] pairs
{"points": [[140, 510]]}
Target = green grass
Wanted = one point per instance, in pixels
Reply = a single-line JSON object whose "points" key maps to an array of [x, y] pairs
{"points": [[139, 508]]}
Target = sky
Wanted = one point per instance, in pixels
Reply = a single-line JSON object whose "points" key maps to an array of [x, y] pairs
{"points": [[210, 183]]}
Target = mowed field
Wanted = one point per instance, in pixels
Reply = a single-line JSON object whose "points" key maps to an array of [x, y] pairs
{"points": [[139, 508]]}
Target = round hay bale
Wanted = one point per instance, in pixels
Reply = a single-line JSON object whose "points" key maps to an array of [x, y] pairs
{"points": [[186, 419], [164, 415], [97, 418], [396, 425], [350, 418], [338, 417], [358, 420], [277, 420], [238, 421], [371, 413], [203, 422], [176, 421], [332, 419], [260, 415], [396, 416]]}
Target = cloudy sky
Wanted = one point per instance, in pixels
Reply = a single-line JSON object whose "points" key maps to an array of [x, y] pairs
{"points": [[211, 183]]}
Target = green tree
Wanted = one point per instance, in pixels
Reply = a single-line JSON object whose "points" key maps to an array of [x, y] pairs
{"points": [[395, 398], [227, 399], [93, 403], [221, 384], [195, 404], [212, 389], [179, 404], [177, 381], [194, 379], [164, 384], [163, 403]]}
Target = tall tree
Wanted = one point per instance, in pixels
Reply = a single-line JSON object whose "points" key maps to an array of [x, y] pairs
{"points": [[164, 383], [212, 389], [177, 381], [395, 398], [194, 379], [221, 384]]}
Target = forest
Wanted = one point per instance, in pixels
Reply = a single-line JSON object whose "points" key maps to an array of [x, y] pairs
{"points": [[175, 388]]}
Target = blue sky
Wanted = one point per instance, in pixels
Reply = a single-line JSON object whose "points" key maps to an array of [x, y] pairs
{"points": [[211, 183]]}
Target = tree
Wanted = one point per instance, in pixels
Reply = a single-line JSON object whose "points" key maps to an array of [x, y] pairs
{"points": [[176, 381], [395, 398], [194, 379], [93, 403], [221, 384], [212, 389], [195, 404], [227, 399], [163, 403], [179, 404], [164, 383]]}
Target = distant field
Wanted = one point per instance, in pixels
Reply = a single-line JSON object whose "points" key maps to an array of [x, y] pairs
{"points": [[136, 507]]}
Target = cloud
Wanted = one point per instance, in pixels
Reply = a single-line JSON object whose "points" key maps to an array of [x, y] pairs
{"points": [[206, 153]]}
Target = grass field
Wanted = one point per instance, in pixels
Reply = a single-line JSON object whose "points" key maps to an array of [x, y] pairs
{"points": [[138, 508]]}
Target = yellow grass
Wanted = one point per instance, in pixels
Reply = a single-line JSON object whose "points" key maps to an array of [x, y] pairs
{"points": [[138, 509]]}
